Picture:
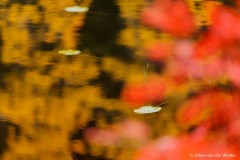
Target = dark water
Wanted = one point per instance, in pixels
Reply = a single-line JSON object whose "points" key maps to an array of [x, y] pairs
{"points": [[47, 100]]}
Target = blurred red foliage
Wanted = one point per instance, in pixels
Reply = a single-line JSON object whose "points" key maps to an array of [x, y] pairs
{"points": [[209, 119], [112, 135], [233, 132], [213, 108], [105, 137], [223, 31], [133, 129], [159, 51], [187, 147], [153, 90], [234, 72], [163, 15]]}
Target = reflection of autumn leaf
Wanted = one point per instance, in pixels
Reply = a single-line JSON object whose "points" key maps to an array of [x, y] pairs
{"points": [[105, 137], [127, 130], [208, 56], [159, 51], [208, 46], [163, 15], [127, 36], [222, 31], [213, 108], [185, 148], [235, 73], [129, 9], [234, 130], [225, 24], [115, 67], [134, 130], [139, 94]]}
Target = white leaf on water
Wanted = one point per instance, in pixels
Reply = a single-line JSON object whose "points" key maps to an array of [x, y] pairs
{"points": [[76, 9], [147, 109], [69, 52]]}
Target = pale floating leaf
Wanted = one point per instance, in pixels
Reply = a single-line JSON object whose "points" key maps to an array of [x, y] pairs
{"points": [[147, 109], [69, 52], [76, 9]]}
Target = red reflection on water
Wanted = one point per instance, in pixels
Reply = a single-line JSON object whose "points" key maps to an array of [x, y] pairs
{"points": [[153, 90], [223, 31], [234, 131], [105, 137], [212, 108], [235, 73], [187, 147], [133, 129], [211, 116], [173, 17], [159, 51], [112, 135]]}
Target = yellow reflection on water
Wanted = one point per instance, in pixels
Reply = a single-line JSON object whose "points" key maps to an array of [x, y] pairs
{"points": [[50, 95]]}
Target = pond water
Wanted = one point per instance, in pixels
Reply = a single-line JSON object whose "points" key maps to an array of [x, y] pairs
{"points": [[50, 103]]}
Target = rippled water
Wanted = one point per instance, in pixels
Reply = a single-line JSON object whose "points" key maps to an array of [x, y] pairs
{"points": [[49, 102]]}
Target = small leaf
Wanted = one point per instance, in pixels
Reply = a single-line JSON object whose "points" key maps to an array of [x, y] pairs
{"points": [[69, 52], [147, 109], [76, 9]]}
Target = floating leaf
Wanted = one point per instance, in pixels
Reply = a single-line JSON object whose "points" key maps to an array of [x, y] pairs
{"points": [[69, 52], [147, 109], [76, 9]]}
